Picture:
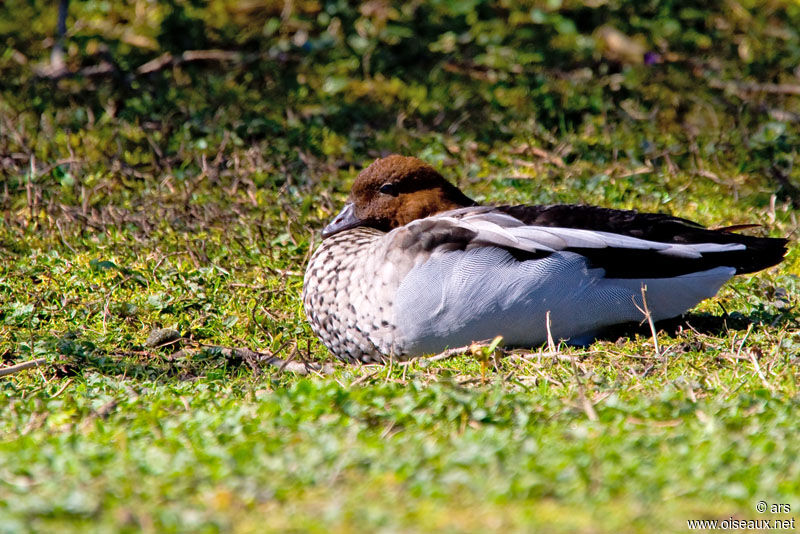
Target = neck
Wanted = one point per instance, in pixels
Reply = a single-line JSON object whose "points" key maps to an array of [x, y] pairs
{"points": [[455, 198], [431, 202]]}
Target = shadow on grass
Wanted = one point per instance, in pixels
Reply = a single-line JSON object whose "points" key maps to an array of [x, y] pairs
{"points": [[76, 356], [701, 323]]}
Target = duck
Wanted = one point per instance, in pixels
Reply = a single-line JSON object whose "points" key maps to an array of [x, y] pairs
{"points": [[412, 266]]}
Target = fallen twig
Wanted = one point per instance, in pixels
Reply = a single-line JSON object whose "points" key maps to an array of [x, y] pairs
{"points": [[531, 356], [588, 407], [754, 361], [168, 60], [104, 411], [649, 318], [449, 353], [61, 389], [106, 66], [21, 366], [364, 378], [752, 87], [300, 368]]}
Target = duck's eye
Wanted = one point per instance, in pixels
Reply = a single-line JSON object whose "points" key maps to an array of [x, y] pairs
{"points": [[388, 189]]}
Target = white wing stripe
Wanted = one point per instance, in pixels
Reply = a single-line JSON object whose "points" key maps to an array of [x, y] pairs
{"points": [[502, 230]]}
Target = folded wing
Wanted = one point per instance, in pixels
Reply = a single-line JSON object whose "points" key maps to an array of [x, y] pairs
{"points": [[621, 254]]}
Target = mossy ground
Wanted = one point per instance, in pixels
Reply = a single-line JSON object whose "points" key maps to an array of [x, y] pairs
{"points": [[189, 194]]}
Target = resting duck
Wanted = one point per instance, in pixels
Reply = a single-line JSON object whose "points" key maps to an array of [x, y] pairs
{"points": [[412, 266]]}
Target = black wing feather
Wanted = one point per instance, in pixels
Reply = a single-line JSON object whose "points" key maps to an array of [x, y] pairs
{"points": [[759, 252]]}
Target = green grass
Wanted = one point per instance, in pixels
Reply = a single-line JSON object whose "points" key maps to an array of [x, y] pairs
{"points": [[191, 197]]}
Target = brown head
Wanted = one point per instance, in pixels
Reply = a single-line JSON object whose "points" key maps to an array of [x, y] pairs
{"points": [[394, 191]]}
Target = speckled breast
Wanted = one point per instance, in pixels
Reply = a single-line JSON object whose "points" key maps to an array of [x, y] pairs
{"points": [[345, 301]]}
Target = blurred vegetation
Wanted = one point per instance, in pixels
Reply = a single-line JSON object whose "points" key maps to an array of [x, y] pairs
{"points": [[338, 83], [173, 170]]}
